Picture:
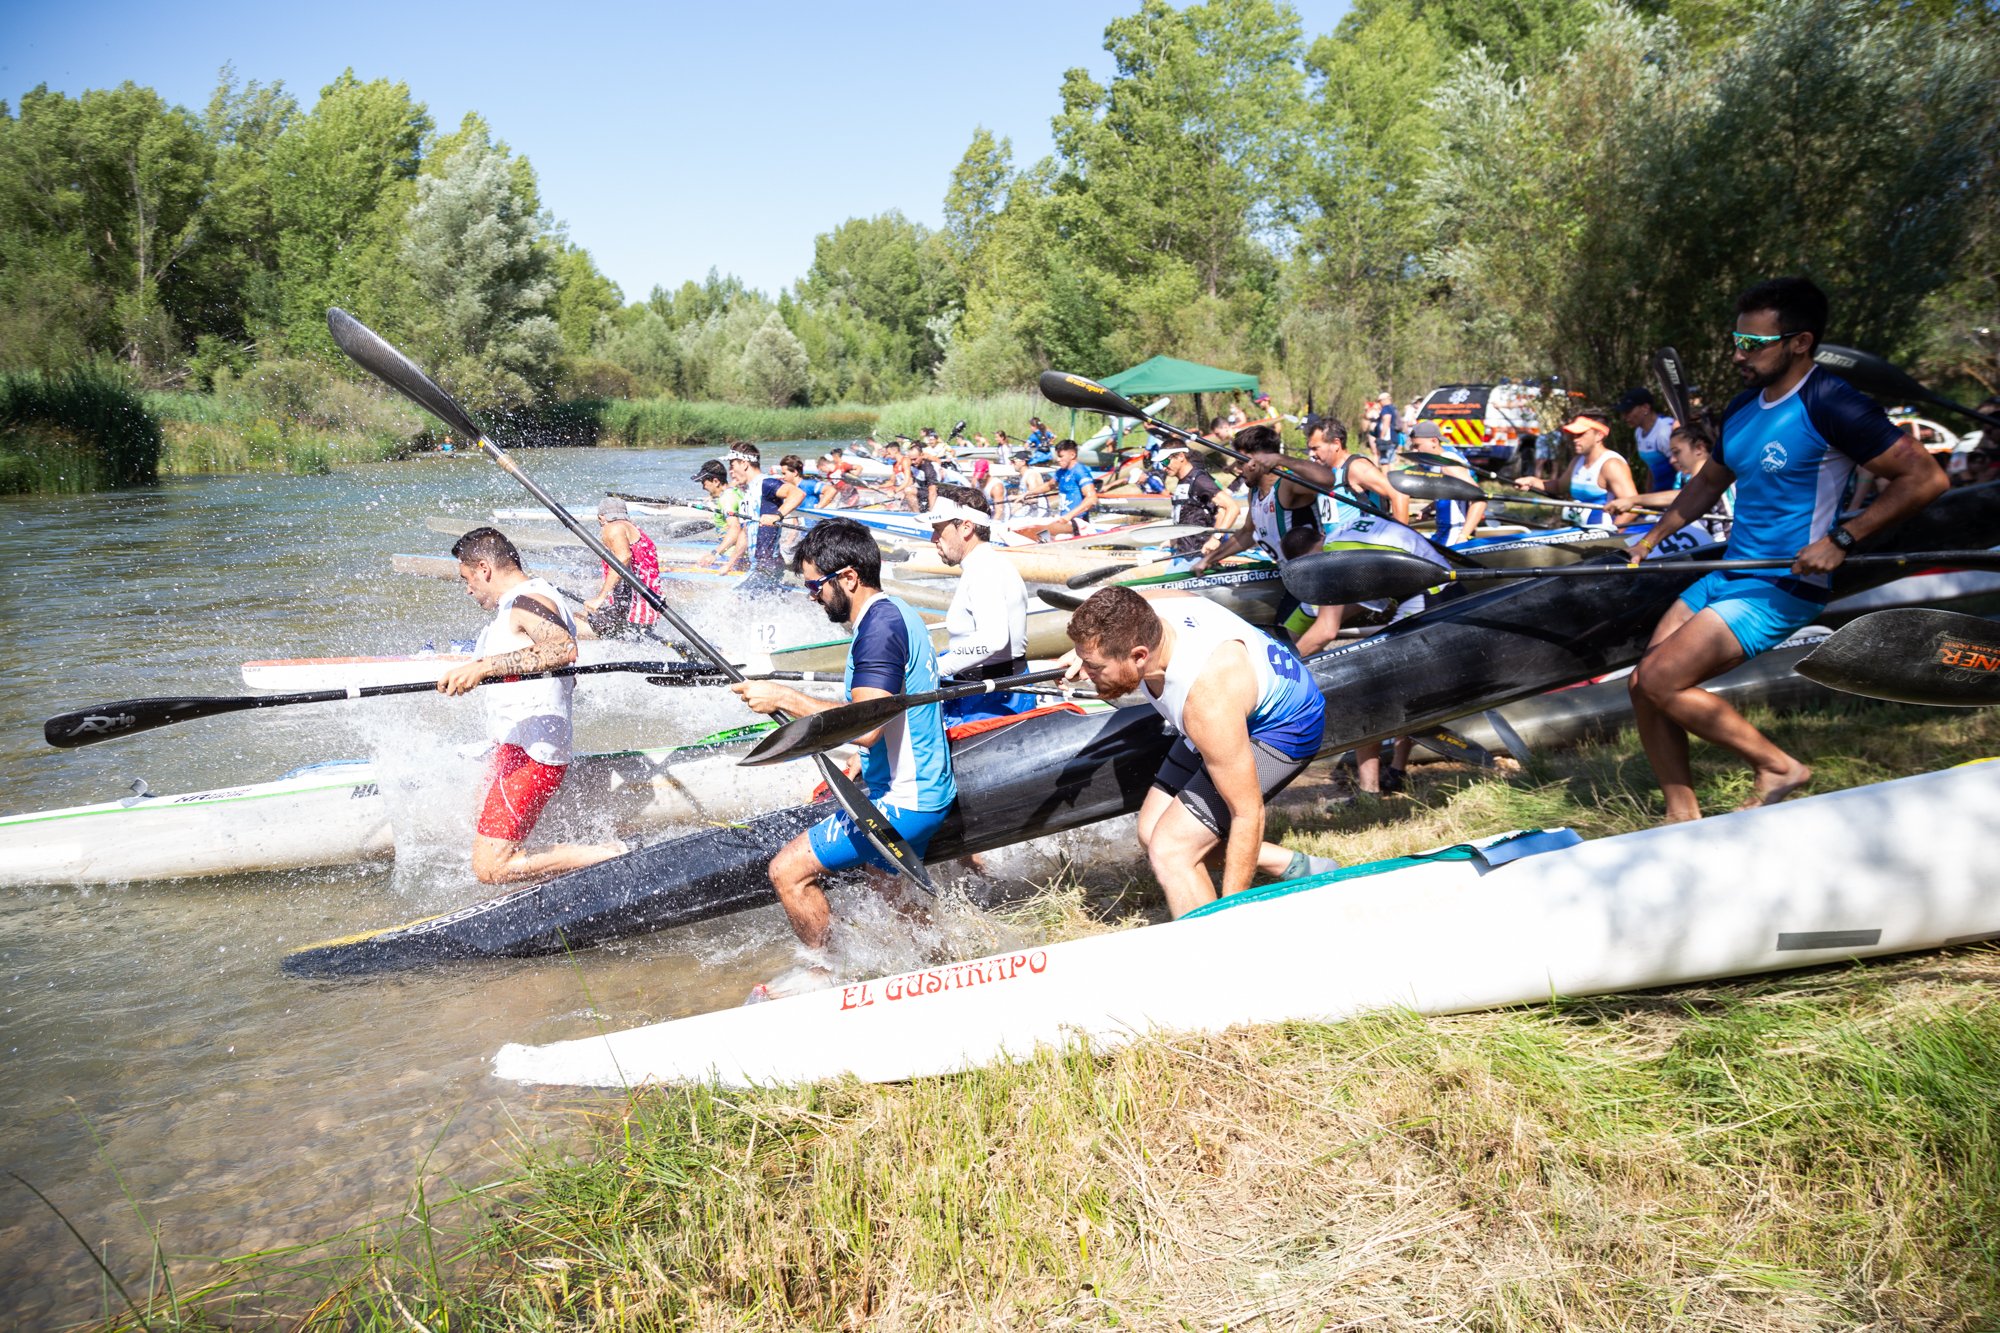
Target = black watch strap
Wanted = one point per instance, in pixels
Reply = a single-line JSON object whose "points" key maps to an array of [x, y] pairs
{"points": [[1842, 538]]}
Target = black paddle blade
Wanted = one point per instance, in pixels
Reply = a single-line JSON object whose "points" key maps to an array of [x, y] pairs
{"points": [[129, 717], [374, 354], [815, 733], [1912, 655], [1435, 486], [1673, 383], [877, 829], [1067, 390], [1338, 578], [1091, 577], [1059, 599], [1869, 372], [1873, 374]]}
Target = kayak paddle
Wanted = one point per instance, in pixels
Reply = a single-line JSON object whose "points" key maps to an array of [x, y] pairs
{"points": [[1673, 384], [1912, 655], [1871, 374], [1336, 578], [129, 717], [816, 732], [375, 354]]}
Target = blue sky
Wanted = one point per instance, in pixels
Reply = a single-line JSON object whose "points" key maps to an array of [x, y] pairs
{"points": [[669, 137]]}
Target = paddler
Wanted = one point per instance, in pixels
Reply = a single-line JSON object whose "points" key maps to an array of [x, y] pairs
{"points": [[1198, 500], [1274, 506], [773, 499], [617, 612], [987, 623], [1249, 717], [1454, 521], [1364, 513], [1688, 449], [906, 767], [1790, 444], [1075, 487], [528, 721], [726, 508], [1597, 473]]}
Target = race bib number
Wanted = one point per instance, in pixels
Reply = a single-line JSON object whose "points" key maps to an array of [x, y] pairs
{"points": [[1683, 543]]}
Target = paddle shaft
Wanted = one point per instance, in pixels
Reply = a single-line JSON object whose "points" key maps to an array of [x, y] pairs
{"points": [[126, 717], [1916, 560], [836, 726]]}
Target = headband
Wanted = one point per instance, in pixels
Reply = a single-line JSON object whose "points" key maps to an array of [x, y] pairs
{"points": [[1169, 450], [735, 457], [951, 511]]}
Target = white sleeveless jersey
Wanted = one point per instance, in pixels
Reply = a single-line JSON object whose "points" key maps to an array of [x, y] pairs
{"points": [[1289, 713], [1267, 522], [533, 714]]}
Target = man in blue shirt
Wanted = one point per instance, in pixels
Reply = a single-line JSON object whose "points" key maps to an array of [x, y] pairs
{"points": [[906, 762], [1076, 488], [1791, 442], [1040, 442]]}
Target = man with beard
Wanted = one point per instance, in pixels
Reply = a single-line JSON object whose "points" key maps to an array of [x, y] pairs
{"points": [[1791, 442], [906, 764], [1250, 718]]}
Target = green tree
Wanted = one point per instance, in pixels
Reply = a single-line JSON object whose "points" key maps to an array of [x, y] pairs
{"points": [[343, 180], [1362, 227], [482, 279], [978, 191], [585, 300], [774, 368]]}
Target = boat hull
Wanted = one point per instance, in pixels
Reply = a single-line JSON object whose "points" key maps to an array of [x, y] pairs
{"points": [[1817, 880], [1059, 771], [336, 814]]}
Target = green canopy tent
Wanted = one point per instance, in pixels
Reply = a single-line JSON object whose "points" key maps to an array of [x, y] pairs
{"points": [[1164, 374]]}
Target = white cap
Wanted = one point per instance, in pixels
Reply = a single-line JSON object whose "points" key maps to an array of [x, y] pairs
{"points": [[950, 511]]}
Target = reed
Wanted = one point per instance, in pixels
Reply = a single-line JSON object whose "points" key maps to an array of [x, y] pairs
{"points": [[982, 416], [83, 429], [1813, 1150], [661, 422]]}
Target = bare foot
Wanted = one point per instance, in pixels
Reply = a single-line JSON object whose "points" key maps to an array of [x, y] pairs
{"points": [[1775, 787]]}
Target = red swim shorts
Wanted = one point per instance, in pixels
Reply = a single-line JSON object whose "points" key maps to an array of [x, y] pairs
{"points": [[516, 790]]}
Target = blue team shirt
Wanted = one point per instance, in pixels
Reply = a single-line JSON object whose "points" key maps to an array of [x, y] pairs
{"points": [[1794, 462], [1070, 481], [910, 766]]}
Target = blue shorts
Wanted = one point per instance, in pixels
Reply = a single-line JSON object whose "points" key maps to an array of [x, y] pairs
{"points": [[1757, 611], [840, 845]]}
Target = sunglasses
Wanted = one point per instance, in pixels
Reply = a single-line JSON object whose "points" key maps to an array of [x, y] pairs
{"points": [[1752, 342], [814, 585]]}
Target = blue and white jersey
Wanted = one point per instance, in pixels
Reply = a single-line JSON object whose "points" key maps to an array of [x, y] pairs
{"points": [[1069, 483], [1794, 460], [910, 766], [1290, 714], [1341, 508]]}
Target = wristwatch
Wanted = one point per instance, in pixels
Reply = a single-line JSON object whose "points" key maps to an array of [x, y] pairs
{"points": [[1842, 538]]}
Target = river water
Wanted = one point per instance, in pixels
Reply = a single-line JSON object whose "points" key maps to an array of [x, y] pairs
{"points": [[160, 1072]]}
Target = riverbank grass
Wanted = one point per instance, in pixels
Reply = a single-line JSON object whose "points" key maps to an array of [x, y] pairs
{"points": [[81, 430], [1815, 1150]]}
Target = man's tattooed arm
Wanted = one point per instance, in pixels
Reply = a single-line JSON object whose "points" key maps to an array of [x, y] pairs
{"points": [[550, 642]]}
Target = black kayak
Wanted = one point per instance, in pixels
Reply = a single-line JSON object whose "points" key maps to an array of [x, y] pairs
{"points": [[1060, 770]]}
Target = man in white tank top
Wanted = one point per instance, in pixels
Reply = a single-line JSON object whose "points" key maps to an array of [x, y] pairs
{"points": [[527, 721], [1250, 717]]}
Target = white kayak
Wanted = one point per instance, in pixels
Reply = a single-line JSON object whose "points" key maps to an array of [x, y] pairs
{"points": [[335, 814], [1880, 869]]}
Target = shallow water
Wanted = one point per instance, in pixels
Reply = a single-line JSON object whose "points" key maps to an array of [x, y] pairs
{"points": [[158, 1065]]}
